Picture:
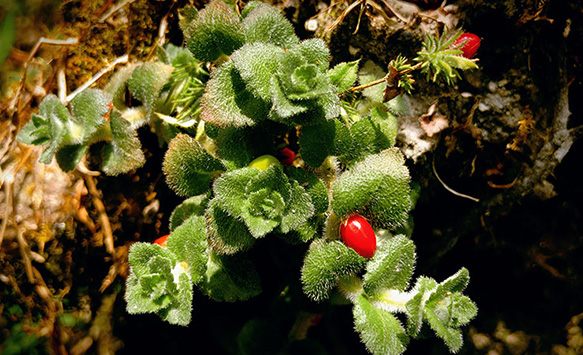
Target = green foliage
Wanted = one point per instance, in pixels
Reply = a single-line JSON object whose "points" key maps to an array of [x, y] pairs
{"points": [[193, 206], [314, 187], [317, 142], [89, 108], [263, 200], [269, 75], [443, 307], [188, 167], [378, 187], [440, 61], [158, 283], [265, 24], [147, 80], [391, 267], [216, 30], [124, 152], [227, 102], [255, 64], [184, 88], [52, 125], [266, 90], [98, 115], [230, 278], [379, 330], [343, 75], [188, 242], [369, 135], [325, 262], [226, 234]]}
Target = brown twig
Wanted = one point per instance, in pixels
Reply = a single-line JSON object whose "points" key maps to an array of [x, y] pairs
{"points": [[397, 15], [343, 15], [123, 59], [103, 218], [12, 108], [385, 79]]}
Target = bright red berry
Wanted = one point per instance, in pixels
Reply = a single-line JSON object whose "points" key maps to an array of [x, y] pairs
{"points": [[358, 234], [287, 156], [162, 241], [110, 105], [468, 43]]}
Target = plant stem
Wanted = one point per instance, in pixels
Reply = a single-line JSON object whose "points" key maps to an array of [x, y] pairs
{"points": [[373, 83], [386, 78]]}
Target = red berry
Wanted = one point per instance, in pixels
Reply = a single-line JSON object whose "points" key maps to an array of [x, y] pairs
{"points": [[358, 234], [287, 156], [162, 241], [468, 43], [110, 105]]}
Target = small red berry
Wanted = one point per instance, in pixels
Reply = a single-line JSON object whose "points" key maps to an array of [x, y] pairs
{"points": [[110, 105], [287, 156], [468, 43], [162, 241], [358, 234]]}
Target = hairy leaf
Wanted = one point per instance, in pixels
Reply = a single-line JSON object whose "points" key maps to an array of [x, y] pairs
{"points": [[226, 234], [227, 102], [343, 75], [392, 265], [416, 305], [257, 63], [188, 167], [193, 206], [314, 187], [455, 283], [266, 24], [451, 336], [320, 141], [124, 152], [147, 80], [375, 133], [379, 186], [188, 243], [298, 209], [230, 189], [267, 194], [116, 87], [157, 283], [53, 125], [325, 262], [230, 278], [315, 51], [70, 155], [179, 311], [379, 330], [237, 146], [369, 73], [282, 107], [90, 107], [262, 211], [215, 31]]}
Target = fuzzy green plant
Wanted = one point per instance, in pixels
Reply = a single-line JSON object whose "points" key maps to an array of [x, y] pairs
{"points": [[273, 143], [135, 96]]}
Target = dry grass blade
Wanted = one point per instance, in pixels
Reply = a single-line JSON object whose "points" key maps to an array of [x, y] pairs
{"points": [[344, 14]]}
